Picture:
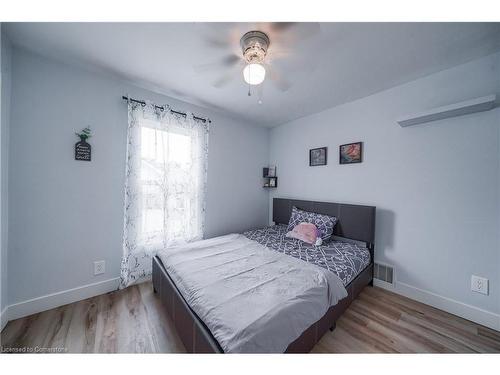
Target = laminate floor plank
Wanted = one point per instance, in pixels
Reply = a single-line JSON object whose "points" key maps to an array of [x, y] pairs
{"points": [[133, 320], [394, 338], [411, 340], [82, 329], [165, 338]]}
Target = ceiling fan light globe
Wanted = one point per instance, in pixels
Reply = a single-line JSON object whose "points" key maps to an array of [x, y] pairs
{"points": [[254, 74]]}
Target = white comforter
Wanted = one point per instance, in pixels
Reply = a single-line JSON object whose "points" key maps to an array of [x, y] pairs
{"points": [[253, 299]]}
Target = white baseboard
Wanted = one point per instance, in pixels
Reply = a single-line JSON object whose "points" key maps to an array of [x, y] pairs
{"points": [[469, 312], [3, 318], [384, 285], [50, 301]]}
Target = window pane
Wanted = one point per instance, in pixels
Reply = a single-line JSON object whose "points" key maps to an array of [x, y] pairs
{"points": [[164, 153], [180, 149]]}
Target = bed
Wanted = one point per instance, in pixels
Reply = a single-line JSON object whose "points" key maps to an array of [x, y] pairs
{"points": [[345, 262]]}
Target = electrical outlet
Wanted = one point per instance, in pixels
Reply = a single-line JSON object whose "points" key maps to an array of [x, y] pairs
{"points": [[479, 284], [99, 267]]}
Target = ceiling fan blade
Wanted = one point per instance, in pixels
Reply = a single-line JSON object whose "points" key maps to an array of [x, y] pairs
{"points": [[277, 52], [217, 42], [294, 31], [281, 26], [215, 34], [279, 81], [287, 59], [228, 61], [224, 80]]}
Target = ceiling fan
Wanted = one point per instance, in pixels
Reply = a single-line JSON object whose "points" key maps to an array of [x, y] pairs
{"points": [[254, 62]]}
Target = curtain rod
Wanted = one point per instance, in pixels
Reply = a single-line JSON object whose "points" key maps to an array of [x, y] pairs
{"points": [[162, 108]]}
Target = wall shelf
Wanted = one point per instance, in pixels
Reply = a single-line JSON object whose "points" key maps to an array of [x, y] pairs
{"points": [[481, 104], [269, 181]]}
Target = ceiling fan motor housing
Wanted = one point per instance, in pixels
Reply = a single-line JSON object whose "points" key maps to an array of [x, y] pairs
{"points": [[254, 45]]}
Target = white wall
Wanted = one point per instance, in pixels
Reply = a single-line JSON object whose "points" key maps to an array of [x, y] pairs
{"points": [[5, 79], [65, 214], [436, 186]]}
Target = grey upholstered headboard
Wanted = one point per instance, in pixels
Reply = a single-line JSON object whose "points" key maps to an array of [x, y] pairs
{"points": [[354, 221]]}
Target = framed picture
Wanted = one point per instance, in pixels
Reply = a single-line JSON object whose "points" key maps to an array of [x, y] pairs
{"points": [[272, 171], [317, 156], [351, 153]]}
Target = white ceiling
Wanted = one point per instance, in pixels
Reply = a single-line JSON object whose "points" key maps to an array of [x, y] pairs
{"points": [[343, 62]]}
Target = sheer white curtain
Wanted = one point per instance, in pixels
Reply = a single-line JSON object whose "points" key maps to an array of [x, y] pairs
{"points": [[165, 186]]}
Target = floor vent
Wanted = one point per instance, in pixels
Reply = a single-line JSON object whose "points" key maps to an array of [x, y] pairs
{"points": [[384, 273]]}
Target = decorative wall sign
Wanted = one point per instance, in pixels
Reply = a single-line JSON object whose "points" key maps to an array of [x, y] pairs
{"points": [[83, 150], [351, 153], [317, 156]]}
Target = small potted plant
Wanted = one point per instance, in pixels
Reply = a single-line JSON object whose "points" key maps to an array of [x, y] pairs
{"points": [[85, 134]]}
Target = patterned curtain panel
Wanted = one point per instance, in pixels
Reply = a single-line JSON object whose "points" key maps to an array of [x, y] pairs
{"points": [[165, 186]]}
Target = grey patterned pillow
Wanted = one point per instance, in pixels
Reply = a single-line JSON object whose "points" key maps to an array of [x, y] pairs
{"points": [[324, 223]]}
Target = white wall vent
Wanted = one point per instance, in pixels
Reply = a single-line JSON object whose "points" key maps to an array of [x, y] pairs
{"points": [[384, 272]]}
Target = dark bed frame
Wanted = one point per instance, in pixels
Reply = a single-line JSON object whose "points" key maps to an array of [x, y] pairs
{"points": [[354, 222]]}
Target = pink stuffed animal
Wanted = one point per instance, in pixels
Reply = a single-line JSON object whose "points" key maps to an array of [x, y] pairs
{"points": [[306, 232]]}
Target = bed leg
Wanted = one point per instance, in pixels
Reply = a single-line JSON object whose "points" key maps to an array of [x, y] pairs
{"points": [[333, 326], [371, 283], [154, 290]]}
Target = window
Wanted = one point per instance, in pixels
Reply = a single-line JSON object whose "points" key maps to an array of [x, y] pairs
{"points": [[165, 166], [165, 186]]}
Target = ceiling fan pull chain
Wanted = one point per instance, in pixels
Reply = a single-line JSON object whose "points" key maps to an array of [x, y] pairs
{"points": [[260, 90]]}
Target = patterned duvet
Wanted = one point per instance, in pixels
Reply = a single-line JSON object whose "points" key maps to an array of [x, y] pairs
{"points": [[344, 259]]}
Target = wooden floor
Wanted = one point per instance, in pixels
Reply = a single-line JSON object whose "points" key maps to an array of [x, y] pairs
{"points": [[132, 320]]}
